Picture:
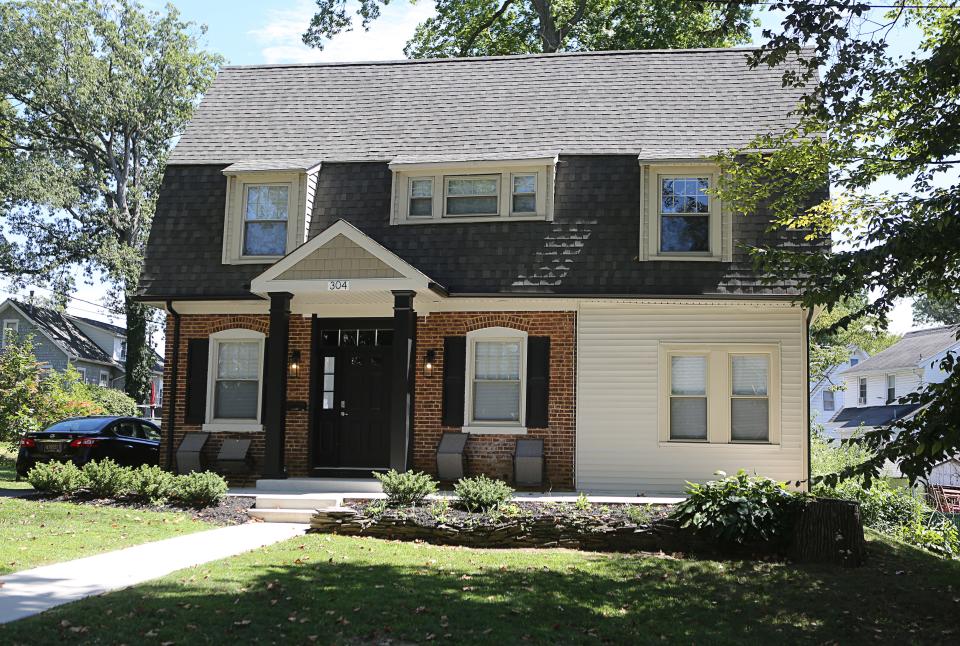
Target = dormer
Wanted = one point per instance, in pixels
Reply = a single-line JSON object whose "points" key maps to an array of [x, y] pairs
{"points": [[267, 212]]}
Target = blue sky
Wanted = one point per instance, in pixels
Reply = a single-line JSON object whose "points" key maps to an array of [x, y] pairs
{"points": [[250, 32]]}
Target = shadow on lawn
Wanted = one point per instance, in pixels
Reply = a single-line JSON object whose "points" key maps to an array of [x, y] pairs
{"points": [[577, 599]]}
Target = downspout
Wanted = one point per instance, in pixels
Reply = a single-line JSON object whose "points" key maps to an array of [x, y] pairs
{"points": [[806, 400], [174, 374]]}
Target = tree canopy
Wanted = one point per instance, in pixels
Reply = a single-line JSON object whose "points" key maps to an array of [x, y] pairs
{"points": [[883, 127], [497, 27], [831, 345], [943, 309], [92, 95]]}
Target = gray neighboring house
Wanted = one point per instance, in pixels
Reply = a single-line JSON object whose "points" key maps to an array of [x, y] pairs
{"points": [[97, 350]]}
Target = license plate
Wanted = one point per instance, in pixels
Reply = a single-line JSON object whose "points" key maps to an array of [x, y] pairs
{"points": [[51, 447]]}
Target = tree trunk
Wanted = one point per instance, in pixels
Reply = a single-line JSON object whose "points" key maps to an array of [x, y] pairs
{"points": [[830, 531], [140, 357]]}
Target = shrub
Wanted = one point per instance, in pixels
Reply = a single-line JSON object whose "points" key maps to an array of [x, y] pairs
{"points": [[882, 507], [407, 488], [640, 514], [106, 479], [200, 489], [740, 508], [481, 493], [583, 503], [58, 478], [152, 484], [112, 401], [938, 535]]}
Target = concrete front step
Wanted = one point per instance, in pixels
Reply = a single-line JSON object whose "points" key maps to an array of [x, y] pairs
{"points": [[296, 501], [319, 485], [282, 515]]}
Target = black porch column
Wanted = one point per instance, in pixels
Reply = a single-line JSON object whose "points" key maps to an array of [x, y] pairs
{"points": [[404, 320], [275, 392]]}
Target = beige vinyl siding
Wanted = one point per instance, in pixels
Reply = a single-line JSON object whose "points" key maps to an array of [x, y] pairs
{"points": [[618, 446]]}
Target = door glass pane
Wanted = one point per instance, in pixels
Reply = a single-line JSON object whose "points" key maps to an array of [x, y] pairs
{"points": [[688, 375], [330, 337], [384, 337], [750, 375], [749, 419], [688, 418], [366, 337], [328, 363], [328, 382], [496, 401], [327, 401], [236, 399], [348, 337]]}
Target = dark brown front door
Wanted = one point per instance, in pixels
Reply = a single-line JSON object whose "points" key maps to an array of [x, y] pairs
{"points": [[352, 400]]}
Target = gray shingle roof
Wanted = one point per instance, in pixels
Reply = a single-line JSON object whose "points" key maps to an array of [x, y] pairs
{"points": [[63, 331], [910, 351], [655, 102]]}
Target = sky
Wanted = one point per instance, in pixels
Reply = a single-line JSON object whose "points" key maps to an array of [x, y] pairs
{"points": [[248, 32]]}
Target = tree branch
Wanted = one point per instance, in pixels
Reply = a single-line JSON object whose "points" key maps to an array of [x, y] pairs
{"points": [[472, 38]]}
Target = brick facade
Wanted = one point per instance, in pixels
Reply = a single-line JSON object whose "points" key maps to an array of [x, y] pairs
{"points": [[488, 454], [493, 454]]}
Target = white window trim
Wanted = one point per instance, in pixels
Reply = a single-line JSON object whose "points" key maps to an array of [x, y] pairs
{"points": [[3, 332], [719, 391], [83, 373], [721, 231], [104, 379], [213, 424], [833, 400], [233, 228], [486, 427], [890, 400], [862, 393], [498, 193], [403, 174]]}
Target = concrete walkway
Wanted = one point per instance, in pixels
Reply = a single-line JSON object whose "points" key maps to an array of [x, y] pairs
{"points": [[32, 591]]}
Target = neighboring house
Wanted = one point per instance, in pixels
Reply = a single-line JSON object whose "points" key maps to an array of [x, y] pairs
{"points": [[95, 349], [359, 257], [827, 395], [874, 386]]}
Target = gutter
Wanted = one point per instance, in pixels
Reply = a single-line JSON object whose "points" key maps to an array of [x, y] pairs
{"points": [[174, 374]]}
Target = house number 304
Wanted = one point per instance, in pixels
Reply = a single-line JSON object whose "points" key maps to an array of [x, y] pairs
{"points": [[338, 285]]}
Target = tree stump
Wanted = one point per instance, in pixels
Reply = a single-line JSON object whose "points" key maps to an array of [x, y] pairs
{"points": [[830, 531]]}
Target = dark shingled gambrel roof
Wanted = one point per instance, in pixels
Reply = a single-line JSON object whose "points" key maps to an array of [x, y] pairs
{"points": [[653, 103]]}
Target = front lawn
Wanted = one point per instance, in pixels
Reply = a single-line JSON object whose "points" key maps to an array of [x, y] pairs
{"points": [[8, 471], [329, 589], [36, 533]]}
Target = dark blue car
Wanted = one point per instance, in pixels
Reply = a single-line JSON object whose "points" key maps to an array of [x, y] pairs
{"points": [[129, 441]]}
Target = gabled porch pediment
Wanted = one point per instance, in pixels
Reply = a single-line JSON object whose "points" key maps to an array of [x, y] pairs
{"points": [[341, 259]]}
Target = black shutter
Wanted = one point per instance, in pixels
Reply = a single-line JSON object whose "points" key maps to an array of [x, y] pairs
{"points": [[196, 404], [454, 374], [263, 385], [538, 381]]}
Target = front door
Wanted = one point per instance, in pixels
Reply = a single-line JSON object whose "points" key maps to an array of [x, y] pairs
{"points": [[352, 399]]}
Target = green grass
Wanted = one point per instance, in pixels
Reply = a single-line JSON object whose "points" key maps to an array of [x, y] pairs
{"points": [[36, 533], [328, 589], [8, 470]]}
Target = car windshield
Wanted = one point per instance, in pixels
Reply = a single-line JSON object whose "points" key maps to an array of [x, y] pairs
{"points": [[82, 425]]}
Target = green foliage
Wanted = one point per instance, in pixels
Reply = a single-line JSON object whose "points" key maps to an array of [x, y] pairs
{"points": [[101, 90], [200, 489], [440, 510], [943, 309], [481, 493], [407, 488], [583, 503], [832, 346], [890, 159], [496, 27], [112, 401], [740, 508], [152, 484], [106, 479], [640, 514], [32, 397], [829, 457], [882, 507], [57, 478], [938, 535]]}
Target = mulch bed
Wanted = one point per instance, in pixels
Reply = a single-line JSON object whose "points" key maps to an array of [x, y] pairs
{"points": [[232, 511]]}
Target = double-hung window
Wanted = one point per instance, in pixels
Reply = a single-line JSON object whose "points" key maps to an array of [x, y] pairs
{"points": [[495, 378], [471, 195], [688, 398], [10, 329], [265, 214], [104, 378], [828, 400], [421, 197], [523, 199], [684, 214], [862, 391], [891, 388], [749, 399], [235, 375]]}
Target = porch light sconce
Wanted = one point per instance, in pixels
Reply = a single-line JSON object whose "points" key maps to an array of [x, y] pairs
{"points": [[295, 364], [429, 359]]}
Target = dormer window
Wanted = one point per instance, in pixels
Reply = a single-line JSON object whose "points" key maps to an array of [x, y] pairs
{"points": [[684, 214], [473, 191], [266, 211]]}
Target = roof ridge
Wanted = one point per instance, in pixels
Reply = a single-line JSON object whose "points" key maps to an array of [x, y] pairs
{"points": [[499, 57], [931, 330]]}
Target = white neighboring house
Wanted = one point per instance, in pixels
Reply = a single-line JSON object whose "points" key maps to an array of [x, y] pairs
{"points": [[875, 386], [827, 395]]}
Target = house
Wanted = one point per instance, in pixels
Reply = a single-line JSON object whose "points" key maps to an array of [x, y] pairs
{"points": [[826, 394], [874, 387], [96, 350], [359, 257]]}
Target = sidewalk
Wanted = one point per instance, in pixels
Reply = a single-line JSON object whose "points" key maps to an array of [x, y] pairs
{"points": [[32, 591]]}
